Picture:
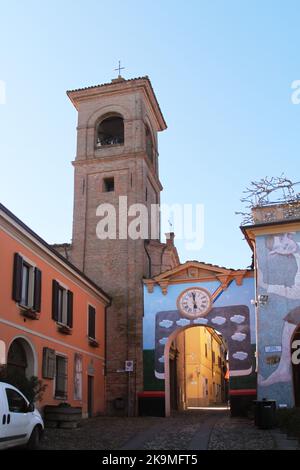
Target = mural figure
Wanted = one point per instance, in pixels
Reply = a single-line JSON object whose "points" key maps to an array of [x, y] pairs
{"points": [[287, 264]]}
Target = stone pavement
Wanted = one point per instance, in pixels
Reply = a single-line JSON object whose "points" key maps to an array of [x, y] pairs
{"points": [[190, 430], [239, 434], [187, 430]]}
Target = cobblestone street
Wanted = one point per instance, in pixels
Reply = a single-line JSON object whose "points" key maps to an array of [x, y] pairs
{"points": [[190, 430], [239, 434]]}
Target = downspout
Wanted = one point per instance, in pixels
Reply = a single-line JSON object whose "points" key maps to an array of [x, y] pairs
{"points": [[146, 242]]}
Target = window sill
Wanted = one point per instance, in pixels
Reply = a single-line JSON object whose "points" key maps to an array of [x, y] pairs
{"points": [[29, 313], [93, 342], [64, 329]]}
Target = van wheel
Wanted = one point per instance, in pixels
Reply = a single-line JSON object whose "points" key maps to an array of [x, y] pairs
{"points": [[34, 440]]}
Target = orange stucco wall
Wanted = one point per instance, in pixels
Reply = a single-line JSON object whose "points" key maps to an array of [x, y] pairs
{"points": [[43, 332]]}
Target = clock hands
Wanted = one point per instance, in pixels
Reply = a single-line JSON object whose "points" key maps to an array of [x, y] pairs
{"points": [[194, 301]]}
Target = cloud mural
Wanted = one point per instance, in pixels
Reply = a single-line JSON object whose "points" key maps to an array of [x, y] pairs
{"points": [[163, 340], [166, 323], [200, 321], [237, 319], [224, 319], [218, 320], [240, 355], [183, 322], [238, 336]]}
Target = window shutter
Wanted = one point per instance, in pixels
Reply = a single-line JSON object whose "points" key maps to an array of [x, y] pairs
{"points": [[55, 286], [70, 309], [48, 369], [37, 290], [92, 322], [17, 277]]}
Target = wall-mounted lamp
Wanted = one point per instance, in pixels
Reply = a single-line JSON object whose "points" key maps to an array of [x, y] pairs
{"points": [[262, 299]]}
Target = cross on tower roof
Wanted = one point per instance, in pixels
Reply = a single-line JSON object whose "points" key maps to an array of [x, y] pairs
{"points": [[119, 68]]}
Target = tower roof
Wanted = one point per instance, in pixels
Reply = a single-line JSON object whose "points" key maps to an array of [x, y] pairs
{"points": [[120, 85]]}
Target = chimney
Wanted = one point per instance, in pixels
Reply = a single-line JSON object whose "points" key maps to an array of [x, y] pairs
{"points": [[170, 238]]}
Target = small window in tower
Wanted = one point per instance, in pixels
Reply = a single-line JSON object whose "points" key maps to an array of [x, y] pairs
{"points": [[108, 185], [110, 131], [149, 144]]}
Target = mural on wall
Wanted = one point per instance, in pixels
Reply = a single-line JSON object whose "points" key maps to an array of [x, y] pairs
{"points": [[232, 322], [229, 311], [278, 259]]}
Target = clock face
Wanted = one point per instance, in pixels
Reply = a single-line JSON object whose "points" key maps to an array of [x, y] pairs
{"points": [[194, 302]]}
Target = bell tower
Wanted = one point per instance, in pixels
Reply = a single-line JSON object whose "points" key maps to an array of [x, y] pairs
{"points": [[117, 156]]}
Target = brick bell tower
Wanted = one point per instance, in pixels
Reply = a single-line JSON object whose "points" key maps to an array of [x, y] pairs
{"points": [[117, 156]]}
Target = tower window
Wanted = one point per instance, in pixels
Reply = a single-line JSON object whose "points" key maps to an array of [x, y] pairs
{"points": [[149, 144], [110, 131], [108, 185]]}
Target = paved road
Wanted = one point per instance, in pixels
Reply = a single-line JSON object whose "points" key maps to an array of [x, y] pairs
{"points": [[190, 430], [182, 431]]}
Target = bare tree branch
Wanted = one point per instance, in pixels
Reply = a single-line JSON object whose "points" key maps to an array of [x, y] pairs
{"points": [[259, 194]]}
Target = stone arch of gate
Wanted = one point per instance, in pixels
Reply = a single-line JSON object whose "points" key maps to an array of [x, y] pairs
{"points": [[30, 357], [233, 322]]}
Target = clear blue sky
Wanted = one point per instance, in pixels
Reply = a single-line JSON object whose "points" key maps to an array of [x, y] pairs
{"points": [[222, 72]]}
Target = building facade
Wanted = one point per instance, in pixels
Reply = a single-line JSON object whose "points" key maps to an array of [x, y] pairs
{"points": [[52, 320], [225, 298], [275, 240]]}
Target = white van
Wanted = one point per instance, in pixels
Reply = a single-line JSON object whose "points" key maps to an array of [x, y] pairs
{"points": [[20, 421]]}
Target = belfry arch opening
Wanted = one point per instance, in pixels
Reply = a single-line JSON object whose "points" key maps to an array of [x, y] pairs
{"points": [[196, 369], [110, 131], [149, 145]]}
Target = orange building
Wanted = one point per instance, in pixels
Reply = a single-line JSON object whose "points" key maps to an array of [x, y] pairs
{"points": [[52, 319]]}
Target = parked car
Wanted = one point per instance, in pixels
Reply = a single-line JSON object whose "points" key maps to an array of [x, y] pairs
{"points": [[20, 422]]}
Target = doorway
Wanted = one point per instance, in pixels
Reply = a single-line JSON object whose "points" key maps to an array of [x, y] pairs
{"points": [[296, 372], [21, 359], [90, 393]]}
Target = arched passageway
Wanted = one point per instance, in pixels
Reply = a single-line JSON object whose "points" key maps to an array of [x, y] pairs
{"points": [[21, 361], [197, 368]]}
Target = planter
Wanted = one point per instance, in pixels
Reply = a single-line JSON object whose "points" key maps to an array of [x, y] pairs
{"points": [[93, 342], [62, 416], [64, 329], [28, 313]]}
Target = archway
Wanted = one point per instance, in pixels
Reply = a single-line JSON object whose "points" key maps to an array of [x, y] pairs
{"points": [[195, 368], [110, 131], [233, 322], [21, 359], [296, 371], [198, 294]]}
